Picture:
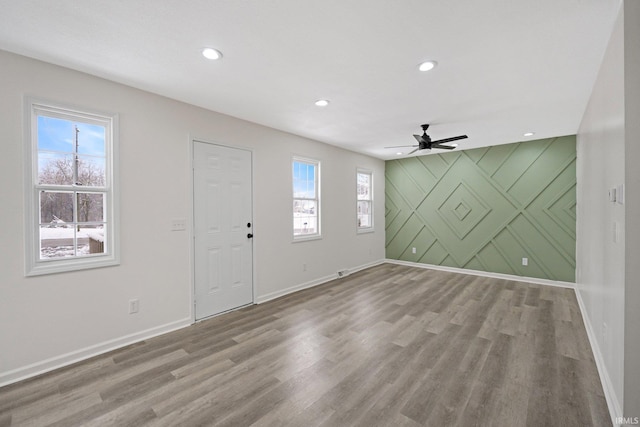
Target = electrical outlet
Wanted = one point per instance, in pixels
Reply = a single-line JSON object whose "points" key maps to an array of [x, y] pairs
{"points": [[134, 306], [413, 250], [342, 273], [525, 261]]}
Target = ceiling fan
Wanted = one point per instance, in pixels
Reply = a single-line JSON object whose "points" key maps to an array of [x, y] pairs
{"points": [[425, 142]]}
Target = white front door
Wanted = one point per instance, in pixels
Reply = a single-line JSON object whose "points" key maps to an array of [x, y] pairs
{"points": [[223, 249]]}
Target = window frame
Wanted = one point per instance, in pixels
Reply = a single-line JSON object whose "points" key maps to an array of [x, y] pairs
{"points": [[318, 234], [34, 265], [359, 228]]}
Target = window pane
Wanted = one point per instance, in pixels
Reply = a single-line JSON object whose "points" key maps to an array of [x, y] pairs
{"points": [[364, 207], [305, 217], [57, 241], [91, 139], [311, 182], [364, 186], [55, 134], [304, 180], [56, 209], [55, 168], [91, 239], [68, 149], [91, 171], [90, 207], [297, 190], [364, 214]]}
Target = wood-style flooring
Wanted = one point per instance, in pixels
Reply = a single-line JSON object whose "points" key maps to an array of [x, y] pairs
{"points": [[387, 346]]}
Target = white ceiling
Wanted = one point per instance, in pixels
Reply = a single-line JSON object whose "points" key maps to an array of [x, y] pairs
{"points": [[505, 66]]}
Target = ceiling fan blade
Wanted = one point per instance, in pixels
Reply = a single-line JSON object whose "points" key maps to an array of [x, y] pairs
{"points": [[444, 147], [455, 138], [419, 139], [401, 146], [411, 152]]}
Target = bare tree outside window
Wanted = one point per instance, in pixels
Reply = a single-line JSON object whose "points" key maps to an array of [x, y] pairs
{"points": [[364, 202], [71, 189], [306, 198], [72, 180]]}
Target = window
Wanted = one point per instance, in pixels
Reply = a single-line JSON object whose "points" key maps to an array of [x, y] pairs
{"points": [[364, 191], [306, 198], [70, 183]]}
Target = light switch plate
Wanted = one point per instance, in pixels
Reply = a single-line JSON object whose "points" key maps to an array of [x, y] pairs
{"points": [[620, 194], [178, 224]]}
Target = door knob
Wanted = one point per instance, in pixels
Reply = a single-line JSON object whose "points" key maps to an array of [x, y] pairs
{"points": [[249, 236]]}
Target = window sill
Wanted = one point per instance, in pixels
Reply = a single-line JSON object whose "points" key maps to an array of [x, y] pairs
{"points": [[297, 239], [365, 230], [53, 267]]}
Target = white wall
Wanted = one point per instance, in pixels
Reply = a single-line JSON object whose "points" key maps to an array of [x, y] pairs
{"points": [[631, 405], [51, 320], [608, 270], [600, 261]]}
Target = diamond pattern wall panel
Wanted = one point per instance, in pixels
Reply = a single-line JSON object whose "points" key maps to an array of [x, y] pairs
{"points": [[487, 208]]}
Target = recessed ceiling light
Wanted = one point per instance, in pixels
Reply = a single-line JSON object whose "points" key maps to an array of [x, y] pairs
{"points": [[529, 134], [211, 53], [399, 153], [322, 102], [454, 145], [427, 65]]}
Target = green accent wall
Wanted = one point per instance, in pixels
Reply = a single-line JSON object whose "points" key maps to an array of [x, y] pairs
{"points": [[487, 208]]}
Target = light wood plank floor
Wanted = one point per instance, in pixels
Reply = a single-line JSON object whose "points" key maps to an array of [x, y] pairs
{"points": [[388, 346]]}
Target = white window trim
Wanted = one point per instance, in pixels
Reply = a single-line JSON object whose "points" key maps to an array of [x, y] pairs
{"points": [[318, 234], [371, 229], [33, 265]]}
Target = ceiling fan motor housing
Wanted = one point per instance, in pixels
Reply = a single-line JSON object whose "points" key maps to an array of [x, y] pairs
{"points": [[425, 143]]}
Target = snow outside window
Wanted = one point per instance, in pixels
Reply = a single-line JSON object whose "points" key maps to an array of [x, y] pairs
{"points": [[71, 203], [364, 191], [306, 199]]}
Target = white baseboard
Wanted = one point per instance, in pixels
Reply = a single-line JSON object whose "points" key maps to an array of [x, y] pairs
{"points": [[44, 366], [94, 350], [615, 409], [47, 365], [319, 281], [513, 277]]}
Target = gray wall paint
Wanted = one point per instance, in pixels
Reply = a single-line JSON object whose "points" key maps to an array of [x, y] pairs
{"points": [[53, 319]]}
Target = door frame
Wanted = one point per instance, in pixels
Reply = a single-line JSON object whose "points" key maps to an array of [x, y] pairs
{"points": [[192, 234]]}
